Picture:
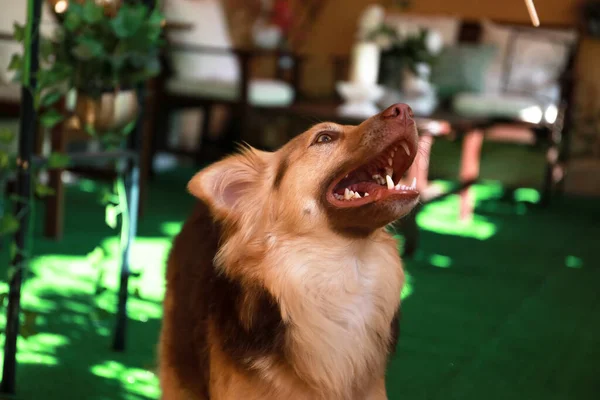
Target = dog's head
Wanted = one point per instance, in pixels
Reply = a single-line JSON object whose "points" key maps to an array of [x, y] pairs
{"points": [[341, 177]]}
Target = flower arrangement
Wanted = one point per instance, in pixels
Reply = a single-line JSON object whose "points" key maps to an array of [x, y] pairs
{"points": [[417, 47]]}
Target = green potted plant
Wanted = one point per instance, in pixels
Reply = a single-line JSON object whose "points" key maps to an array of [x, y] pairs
{"points": [[405, 48], [99, 55]]}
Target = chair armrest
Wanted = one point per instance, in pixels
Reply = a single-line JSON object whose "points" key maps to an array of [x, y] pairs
{"points": [[7, 37], [245, 57], [238, 51]]}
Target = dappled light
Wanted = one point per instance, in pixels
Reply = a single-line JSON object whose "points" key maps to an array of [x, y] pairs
{"points": [[573, 262], [527, 195], [440, 261]]}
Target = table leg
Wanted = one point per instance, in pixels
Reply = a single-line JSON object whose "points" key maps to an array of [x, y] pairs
{"points": [[420, 167], [469, 170], [420, 170]]}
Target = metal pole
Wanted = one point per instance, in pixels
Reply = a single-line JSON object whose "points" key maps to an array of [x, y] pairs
{"points": [[132, 189], [26, 138]]}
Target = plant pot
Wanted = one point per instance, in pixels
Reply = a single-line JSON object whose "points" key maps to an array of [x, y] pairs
{"points": [[391, 70], [111, 112]]}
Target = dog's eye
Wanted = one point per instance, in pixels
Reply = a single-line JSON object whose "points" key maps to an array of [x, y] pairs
{"points": [[324, 138]]}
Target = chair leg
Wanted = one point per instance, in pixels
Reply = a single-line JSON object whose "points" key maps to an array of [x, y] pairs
{"points": [[159, 134], [553, 173], [204, 142], [469, 170]]}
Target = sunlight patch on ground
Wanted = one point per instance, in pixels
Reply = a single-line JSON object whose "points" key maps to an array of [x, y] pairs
{"points": [[407, 289], [171, 228], [527, 195], [439, 222], [573, 262], [136, 381], [442, 216], [38, 349], [440, 261]]}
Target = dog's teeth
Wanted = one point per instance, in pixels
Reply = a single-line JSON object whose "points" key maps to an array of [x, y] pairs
{"points": [[413, 185], [389, 171], [398, 186], [346, 175], [366, 194], [405, 147], [389, 181], [357, 196], [347, 194], [390, 161], [338, 196]]}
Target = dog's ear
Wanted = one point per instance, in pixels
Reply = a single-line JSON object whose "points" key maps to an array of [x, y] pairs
{"points": [[227, 184]]}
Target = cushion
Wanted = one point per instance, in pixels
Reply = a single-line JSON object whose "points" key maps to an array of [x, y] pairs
{"points": [[521, 108], [462, 68], [539, 56], [261, 92], [10, 92], [209, 29], [447, 27], [16, 10]]}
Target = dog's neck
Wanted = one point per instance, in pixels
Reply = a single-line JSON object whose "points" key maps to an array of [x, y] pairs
{"points": [[338, 296]]}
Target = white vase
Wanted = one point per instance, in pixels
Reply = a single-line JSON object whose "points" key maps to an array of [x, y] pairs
{"points": [[266, 36]]}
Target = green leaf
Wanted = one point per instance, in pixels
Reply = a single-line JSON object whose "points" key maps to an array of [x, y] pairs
{"points": [[10, 272], [50, 98], [111, 215], [58, 160], [56, 75], [46, 49], [92, 12], [18, 199], [13, 250], [4, 160], [3, 297], [43, 190], [7, 136], [18, 32], [9, 224], [96, 255], [50, 118], [88, 48], [16, 63], [73, 20], [128, 20], [156, 18], [36, 100]]}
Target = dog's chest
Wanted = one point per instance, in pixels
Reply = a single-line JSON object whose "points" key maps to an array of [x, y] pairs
{"points": [[340, 305]]}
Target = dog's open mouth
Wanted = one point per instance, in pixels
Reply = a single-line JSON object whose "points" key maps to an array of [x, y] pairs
{"points": [[377, 179]]}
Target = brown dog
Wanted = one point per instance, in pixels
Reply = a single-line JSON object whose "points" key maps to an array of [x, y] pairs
{"points": [[284, 284]]}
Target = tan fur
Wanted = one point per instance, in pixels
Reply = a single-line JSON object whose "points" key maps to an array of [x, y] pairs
{"points": [[338, 294]]}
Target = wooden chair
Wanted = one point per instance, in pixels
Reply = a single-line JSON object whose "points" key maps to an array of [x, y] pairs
{"points": [[202, 69]]}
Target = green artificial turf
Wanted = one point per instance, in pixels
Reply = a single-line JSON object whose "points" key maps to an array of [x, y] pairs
{"points": [[503, 307]]}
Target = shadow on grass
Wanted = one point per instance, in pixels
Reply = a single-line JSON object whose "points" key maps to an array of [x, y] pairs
{"points": [[65, 352]]}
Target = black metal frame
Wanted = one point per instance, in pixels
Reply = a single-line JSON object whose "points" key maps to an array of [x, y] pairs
{"points": [[27, 126], [28, 120]]}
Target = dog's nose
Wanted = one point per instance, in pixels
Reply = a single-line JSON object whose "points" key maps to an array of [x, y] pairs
{"points": [[399, 111]]}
